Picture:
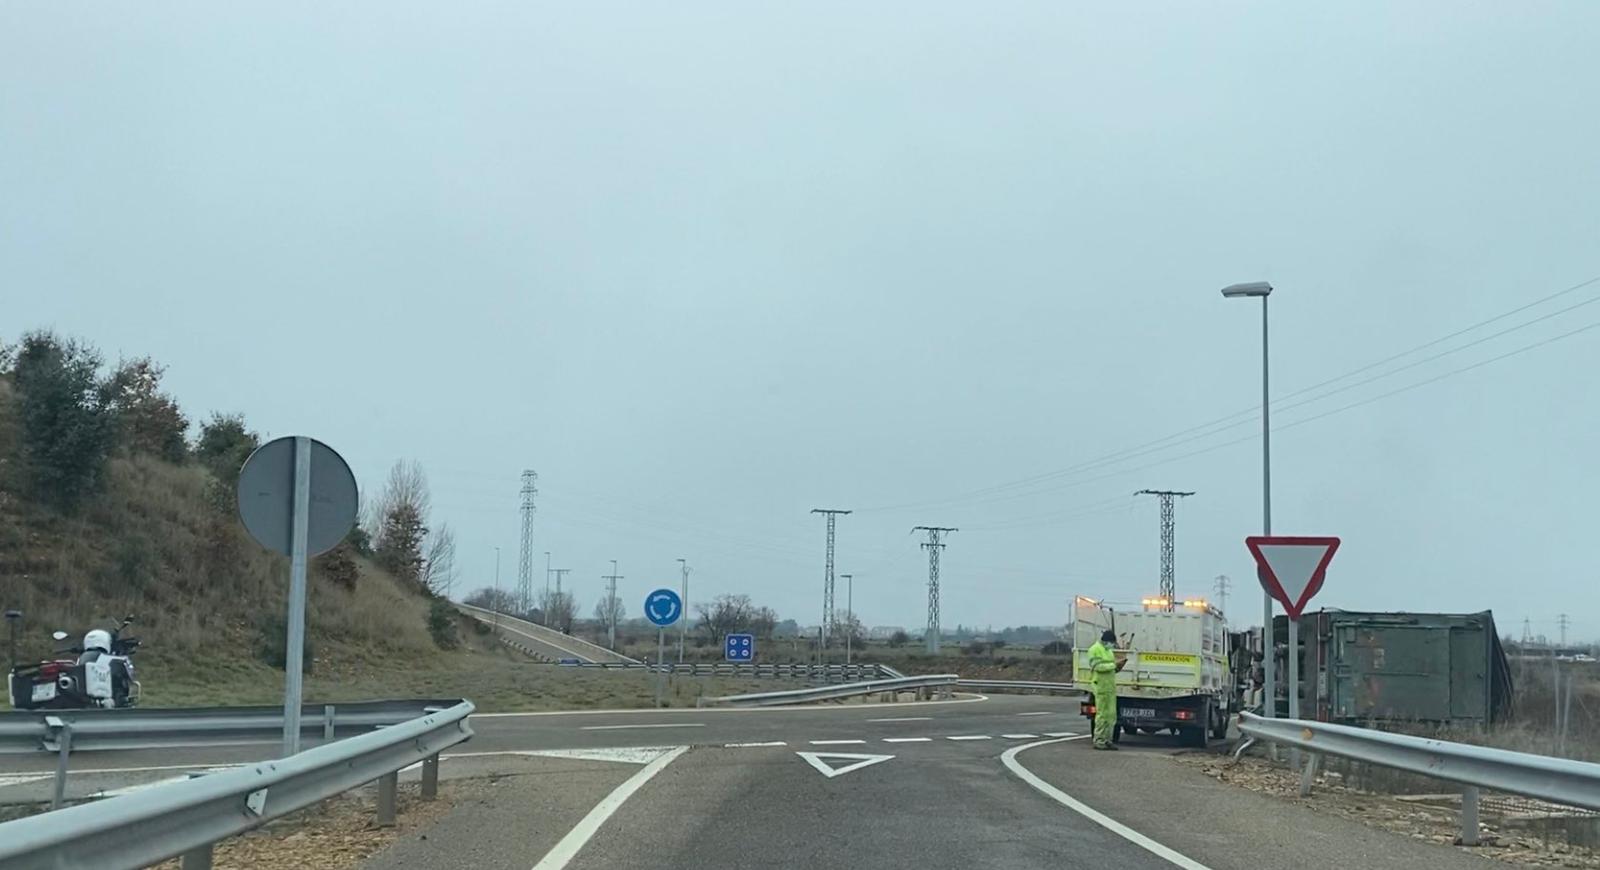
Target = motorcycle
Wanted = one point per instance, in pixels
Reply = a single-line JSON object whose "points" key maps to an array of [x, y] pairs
{"points": [[101, 675]]}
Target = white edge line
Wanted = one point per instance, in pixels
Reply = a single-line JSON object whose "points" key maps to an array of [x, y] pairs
{"points": [[837, 742], [1042, 713], [747, 745], [569, 846], [908, 740], [1009, 759], [969, 699], [904, 719]]}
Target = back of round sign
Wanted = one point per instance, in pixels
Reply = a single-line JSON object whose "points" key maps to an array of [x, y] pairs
{"points": [[266, 497]]}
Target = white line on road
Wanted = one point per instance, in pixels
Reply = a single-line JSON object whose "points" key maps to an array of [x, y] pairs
{"points": [[744, 745], [971, 737], [1009, 759], [660, 725], [908, 740], [836, 742], [1040, 713], [961, 698], [569, 846], [10, 779], [1020, 736], [904, 719], [1061, 734]]}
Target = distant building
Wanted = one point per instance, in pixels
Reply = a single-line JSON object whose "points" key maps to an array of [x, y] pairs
{"points": [[883, 632]]}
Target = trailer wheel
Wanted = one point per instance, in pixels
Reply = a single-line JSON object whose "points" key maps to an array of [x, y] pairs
{"points": [[1219, 728]]}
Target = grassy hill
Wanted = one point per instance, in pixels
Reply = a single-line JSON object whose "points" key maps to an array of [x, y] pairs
{"points": [[154, 533]]}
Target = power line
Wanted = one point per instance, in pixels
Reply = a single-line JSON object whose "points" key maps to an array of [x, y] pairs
{"points": [[1178, 437], [530, 489]]}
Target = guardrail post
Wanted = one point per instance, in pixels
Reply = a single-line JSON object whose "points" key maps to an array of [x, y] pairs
{"points": [[1469, 817], [1308, 774], [197, 859], [388, 786], [64, 741], [430, 777], [327, 723]]}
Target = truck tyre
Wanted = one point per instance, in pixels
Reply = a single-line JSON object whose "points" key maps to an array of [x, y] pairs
{"points": [[1219, 729]]}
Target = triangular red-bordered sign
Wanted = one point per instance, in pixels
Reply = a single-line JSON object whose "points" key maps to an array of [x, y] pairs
{"points": [[1291, 569]]}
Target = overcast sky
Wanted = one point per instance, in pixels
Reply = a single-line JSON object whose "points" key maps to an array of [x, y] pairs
{"points": [[706, 267]]}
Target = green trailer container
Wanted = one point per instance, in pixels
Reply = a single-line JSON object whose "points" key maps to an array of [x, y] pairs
{"points": [[1425, 668]]}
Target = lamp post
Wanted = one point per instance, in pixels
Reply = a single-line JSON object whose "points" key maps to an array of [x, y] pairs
{"points": [[1261, 289], [850, 612], [683, 625]]}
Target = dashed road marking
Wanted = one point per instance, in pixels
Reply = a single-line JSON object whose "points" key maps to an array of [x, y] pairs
{"points": [[971, 737], [1020, 736], [1040, 713], [745, 745], [1061, 734], [837, 742], [656, 725], [904, 719], [908, 740]]}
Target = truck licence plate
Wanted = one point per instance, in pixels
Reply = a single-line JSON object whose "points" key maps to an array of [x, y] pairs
{"points": [[1139, 713], [44, 692]]}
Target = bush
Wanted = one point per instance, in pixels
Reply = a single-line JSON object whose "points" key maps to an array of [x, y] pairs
{"points": [[223, 446], [68, 427], [442, 624], [339, 565], [148, 420], [976, 648], [1056, 648], [271, 643]]}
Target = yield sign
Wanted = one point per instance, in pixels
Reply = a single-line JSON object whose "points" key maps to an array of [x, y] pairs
{"points": [[858, 760], [1292, 569]]}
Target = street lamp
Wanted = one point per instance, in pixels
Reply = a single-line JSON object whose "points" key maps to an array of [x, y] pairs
{"points": [[850, 612], [1262, 290], [683, 627], [497, 590]]}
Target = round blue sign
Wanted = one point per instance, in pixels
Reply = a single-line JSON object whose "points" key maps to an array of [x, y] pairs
{"points": [[663, 607]]}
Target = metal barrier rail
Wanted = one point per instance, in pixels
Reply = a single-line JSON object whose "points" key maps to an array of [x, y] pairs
{"points": [[923, 685], [155, 727], [1559, 780], [186, 818], [727, 669], [1020, 686]]}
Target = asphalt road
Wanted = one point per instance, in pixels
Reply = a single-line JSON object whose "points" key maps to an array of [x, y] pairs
{"points": [[1003, 782]]}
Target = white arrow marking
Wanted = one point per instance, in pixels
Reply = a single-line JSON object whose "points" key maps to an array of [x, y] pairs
{"points": [[815, 759]]}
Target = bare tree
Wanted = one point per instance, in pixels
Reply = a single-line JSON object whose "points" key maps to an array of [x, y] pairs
{"points": [[725, 615], [560, 610], [846, 625], [401, 515], [609, 611], [490, 598], [406, 485], [764, 622], [439, 566]]}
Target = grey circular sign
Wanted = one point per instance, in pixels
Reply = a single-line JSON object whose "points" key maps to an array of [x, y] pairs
{"points": [[266, 497]]}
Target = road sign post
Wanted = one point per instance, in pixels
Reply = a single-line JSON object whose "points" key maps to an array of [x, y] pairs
{"points": [[1292, 570], [662, 607], [298, 497]]}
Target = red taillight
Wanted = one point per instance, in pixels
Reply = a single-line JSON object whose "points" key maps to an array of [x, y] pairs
{"points": [[1185, 714], [1088, 709]]}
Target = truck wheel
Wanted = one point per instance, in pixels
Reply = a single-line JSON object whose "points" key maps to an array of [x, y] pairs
{"points": [[1219, 729], [1194, 736]]}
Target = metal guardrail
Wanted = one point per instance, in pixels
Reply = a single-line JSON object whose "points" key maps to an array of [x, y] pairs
{"points": [[186, 818], [1559, 780], [1020, 686], [923, 685]]}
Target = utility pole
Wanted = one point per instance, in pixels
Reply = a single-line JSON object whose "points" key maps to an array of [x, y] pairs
{"points": [[683, 621], [497, 602], [1562, 621], [1221, 587], [933, 545], [827, 575], [849, 612], [1168, 530], [525, 565], [1526, 642], [559, 572], [545, 602], [611, 605]]}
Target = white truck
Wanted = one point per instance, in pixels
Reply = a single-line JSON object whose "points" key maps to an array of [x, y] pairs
{"points": [[1177, 678]]}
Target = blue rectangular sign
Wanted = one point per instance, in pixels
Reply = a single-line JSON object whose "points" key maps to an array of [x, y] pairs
{"points": [[739, 648]]}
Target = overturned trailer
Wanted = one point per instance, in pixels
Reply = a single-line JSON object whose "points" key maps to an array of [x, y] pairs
{"points": [[1426, 668]]}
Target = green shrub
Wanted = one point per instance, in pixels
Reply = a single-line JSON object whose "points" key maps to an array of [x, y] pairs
{"points": [[442, 624], [271, 642]]}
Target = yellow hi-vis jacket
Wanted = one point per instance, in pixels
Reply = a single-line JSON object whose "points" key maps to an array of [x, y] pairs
{"points": [[1104, 665]]}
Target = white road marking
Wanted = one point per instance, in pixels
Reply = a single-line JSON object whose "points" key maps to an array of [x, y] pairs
{"points": [[971, 737], [1040, 713], [904, 719], [743, 745], [10, 779], [1009, 759], [837, 742], [1020, 736], [1061, 734], [908, 740], [965, 698], [624, 754], [815, 759], [656, 725], [564, 851]]}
